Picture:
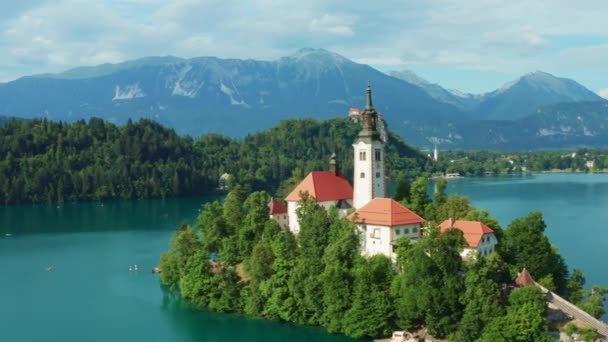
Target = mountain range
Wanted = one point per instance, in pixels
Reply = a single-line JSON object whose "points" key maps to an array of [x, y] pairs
{"points": [[236, 97]]}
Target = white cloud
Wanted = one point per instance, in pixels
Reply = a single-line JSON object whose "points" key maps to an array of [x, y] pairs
{"points": [[487, 35], [336, 25], [603, 93]]}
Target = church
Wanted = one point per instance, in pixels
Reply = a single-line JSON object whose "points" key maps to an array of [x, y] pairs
{"points": [[381, 221]]}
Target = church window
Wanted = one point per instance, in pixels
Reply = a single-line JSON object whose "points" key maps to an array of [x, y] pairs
{"points": [[362, 155], [377, 174], [378, 154], [362, 175]]}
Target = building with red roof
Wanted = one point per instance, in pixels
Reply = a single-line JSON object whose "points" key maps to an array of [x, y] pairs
{"points": [[327, 188], [479, 237], [323, 186], [383, 221], [278, 212]]}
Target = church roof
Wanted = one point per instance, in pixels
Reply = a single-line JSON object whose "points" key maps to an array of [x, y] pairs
{"points": [[276, 207], [385, 212], [322, 186], [524, 278], [472, 231]]}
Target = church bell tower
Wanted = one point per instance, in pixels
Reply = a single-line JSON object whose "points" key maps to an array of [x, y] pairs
{"points": [[369, 171]]}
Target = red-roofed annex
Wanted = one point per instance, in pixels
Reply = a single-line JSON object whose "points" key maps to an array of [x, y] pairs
{"points": [[478, 236], [385, 212], [322, 186]]}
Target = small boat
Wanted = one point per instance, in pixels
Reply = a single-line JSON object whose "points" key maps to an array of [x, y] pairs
{"points": [[156, 270], [50, 269]]}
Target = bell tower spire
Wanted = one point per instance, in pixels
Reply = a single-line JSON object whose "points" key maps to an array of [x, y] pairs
{"points": [[368, 157], [368, 100]]}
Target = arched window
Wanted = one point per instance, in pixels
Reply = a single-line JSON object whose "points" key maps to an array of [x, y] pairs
{"points": [[362, 175]]}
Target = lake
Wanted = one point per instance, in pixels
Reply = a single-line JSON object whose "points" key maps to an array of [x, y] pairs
{"points": [[574, 207], [92, 296]]}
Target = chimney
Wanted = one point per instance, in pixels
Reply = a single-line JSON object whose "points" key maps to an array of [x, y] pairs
{"points": [[333, 167], [451, 222]]}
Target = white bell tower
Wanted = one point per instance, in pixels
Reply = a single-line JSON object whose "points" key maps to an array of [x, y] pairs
{"points": [[369, 171]]}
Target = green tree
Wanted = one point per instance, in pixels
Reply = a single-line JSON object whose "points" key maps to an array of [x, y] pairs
{"points": [[259, 265], [212, 225], [371, 312], [337, 277], [428, 290], [527, 246], [419, 198], [233, 208], [524, 321], [402, 193], [482, 297], [280, 304]]}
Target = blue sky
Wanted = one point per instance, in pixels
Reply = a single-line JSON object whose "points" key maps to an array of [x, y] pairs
{"points": [[473, 46]]}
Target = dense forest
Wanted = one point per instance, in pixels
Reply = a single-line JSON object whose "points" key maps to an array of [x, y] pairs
{"points": [[478, 163], [45, 161], [236, 259]]}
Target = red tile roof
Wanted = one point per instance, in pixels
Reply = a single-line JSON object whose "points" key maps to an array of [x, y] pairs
{"points": [[276, 207], [385, 212], [524, 278], [322, 186], [472, 231]]}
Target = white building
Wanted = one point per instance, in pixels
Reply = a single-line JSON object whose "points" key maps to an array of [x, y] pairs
{"points": [[478, 236], [382, 222], [369, 172]]}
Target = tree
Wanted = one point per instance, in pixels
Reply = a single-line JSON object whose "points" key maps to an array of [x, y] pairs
{"points": [[259, 265], [212, 225], [428, 290], [456, 207], [402, 193], [419, 198], [527, 246], [280, 303], [233, 208], [482, 297], [593, 302], [337, 277], [252, 229], [524, 321], [371, 311]]}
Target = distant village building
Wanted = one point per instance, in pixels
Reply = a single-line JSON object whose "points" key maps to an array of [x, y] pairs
{"points": [[278, 212], [435, 153], [382, 222], [478, 236], [590, 163]]}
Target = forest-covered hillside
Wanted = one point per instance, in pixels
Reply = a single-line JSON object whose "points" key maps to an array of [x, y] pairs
{"points": [[46, 161]]}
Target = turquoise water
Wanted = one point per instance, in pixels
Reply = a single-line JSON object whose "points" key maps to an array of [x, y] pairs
{"points": [[91, 295], [574, 206]]}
